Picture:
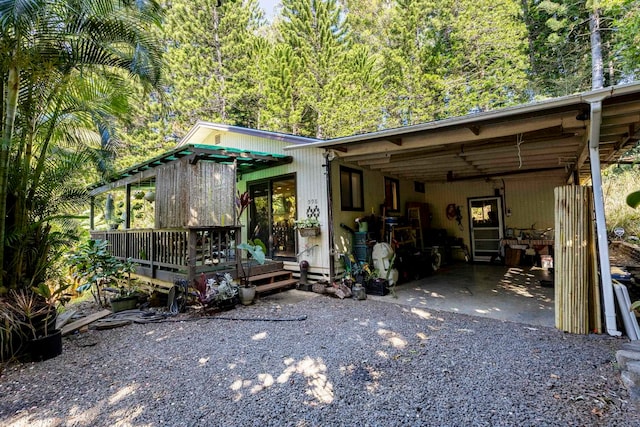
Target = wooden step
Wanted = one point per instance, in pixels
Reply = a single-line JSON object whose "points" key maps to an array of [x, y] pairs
{"points": [[271, 276], [276, 285]]}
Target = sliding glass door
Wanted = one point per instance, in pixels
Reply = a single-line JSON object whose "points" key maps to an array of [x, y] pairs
{"points": [[272, 215]]}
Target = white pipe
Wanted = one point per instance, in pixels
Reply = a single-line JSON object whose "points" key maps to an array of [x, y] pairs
{"points": [[601, 227]]}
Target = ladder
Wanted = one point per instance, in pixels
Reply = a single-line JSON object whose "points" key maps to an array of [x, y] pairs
{"points": [[413, 217]]}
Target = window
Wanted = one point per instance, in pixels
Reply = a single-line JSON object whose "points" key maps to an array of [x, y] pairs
{"points": [[351, 195], [391, 194]]}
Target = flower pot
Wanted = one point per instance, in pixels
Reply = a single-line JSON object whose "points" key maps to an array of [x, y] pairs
{"points": [[227, 303], [124, 303], [46, 347], [377, 286], [309, 231], [247, 294]]}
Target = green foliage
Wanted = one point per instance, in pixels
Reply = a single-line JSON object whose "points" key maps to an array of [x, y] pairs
{"points": [[93, 266], [255, 252], [65, 68], [617, 183]]}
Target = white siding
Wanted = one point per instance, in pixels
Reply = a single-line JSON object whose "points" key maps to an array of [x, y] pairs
{"points": [[310, 180]]}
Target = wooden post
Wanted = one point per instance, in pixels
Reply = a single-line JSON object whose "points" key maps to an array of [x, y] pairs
{"points": [[193, 240]]}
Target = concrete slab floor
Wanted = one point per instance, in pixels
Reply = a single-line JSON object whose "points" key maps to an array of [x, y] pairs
{"points": [[498, 292]]}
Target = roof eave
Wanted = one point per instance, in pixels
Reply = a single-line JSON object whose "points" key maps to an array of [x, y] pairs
{"points": [[561, 102]]}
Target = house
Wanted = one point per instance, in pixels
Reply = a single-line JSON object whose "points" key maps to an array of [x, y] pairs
{"points": [[473, 181]]}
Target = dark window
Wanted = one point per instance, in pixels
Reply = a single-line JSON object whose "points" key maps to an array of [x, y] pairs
{"points": [[351, 195], [391, 194]]}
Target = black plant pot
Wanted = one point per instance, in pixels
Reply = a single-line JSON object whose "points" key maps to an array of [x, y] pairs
{"points": [[378, 287], [46, 347]]}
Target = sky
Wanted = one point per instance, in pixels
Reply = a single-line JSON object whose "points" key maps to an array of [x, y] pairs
{"points": [[268, 6]]}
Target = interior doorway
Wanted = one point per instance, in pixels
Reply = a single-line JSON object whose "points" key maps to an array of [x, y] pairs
{"points": [[272, 215], [486, 225]]}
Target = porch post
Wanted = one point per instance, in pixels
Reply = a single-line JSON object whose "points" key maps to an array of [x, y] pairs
{"points": [[601, 227], [327, 164], [191, 268]]}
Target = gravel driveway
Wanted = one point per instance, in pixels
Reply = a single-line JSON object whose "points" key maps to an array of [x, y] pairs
{"points": [[350, 363]]}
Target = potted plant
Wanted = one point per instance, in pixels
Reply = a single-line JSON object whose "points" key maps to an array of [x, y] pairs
{"points": [[126, 294], [255, 252], [308, 227], [220, 292], [242, 203], [35, 314], [99, 271]]}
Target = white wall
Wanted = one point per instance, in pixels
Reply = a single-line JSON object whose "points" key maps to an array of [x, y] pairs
{"points": [[311, 188]]}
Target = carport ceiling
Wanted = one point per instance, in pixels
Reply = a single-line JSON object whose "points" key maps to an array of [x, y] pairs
{"points": [[547, 138]]}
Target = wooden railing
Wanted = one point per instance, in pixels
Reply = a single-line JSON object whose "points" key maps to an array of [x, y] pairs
{"points": [[170, 254]]}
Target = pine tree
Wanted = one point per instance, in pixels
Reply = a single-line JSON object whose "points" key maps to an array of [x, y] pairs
{"points": [[207, 61], [485, 60]]}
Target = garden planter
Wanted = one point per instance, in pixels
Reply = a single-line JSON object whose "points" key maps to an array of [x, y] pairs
{"points": [[125, 303], [46, 347], [227, 303], [309, 232], [247, 294], [378, 287]]}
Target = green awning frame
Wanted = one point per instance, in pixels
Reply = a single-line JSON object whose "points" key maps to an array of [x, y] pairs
{"points": [[246, 162]]}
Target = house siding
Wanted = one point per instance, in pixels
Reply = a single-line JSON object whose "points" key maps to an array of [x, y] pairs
{"points": [[311, 189]]}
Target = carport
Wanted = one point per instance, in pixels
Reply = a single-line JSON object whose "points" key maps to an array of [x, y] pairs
{"points": [[566, 140]]}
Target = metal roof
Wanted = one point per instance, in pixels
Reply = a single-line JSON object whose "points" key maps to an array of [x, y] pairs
{"points": [[547, 138], [202, 125]]}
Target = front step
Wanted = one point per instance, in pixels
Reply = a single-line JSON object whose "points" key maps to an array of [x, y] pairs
{"points": [[272, 280]]}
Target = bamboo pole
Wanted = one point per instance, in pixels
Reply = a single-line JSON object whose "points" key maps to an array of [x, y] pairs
{"points": [[573, 259]]}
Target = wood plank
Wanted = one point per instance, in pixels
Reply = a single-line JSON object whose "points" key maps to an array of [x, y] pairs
{"points": [[84, 321], [270, 275], [276, 285], [64, 318]]}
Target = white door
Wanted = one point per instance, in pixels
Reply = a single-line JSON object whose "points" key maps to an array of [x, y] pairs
{"points": [[486, 227]]}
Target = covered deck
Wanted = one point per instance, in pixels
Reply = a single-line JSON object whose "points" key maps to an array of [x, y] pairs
{"points": [[178, 212]]}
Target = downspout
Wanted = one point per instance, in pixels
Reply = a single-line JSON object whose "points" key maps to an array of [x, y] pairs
{"points": [[327, 165], [601, 228]]}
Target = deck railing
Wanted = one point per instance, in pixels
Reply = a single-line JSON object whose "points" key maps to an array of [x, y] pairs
{"points": [[169, 254]]}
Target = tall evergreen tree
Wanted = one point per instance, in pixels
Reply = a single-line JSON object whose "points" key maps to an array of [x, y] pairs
{"points": [[207, 61], [486, 61], [314, 30], [413, 56]]}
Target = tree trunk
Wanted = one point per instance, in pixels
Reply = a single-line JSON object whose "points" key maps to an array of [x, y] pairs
{"points": [[10, 108], [597, 74]]}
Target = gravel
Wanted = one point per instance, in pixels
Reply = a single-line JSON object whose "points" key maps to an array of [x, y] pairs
{"points": [[350, 363]]}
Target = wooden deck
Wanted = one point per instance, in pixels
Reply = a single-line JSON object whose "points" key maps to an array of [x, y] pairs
{"points": [[167, 255]]}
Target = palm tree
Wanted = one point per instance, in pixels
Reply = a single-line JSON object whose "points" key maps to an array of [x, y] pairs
{"points": [[64, 67]]}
